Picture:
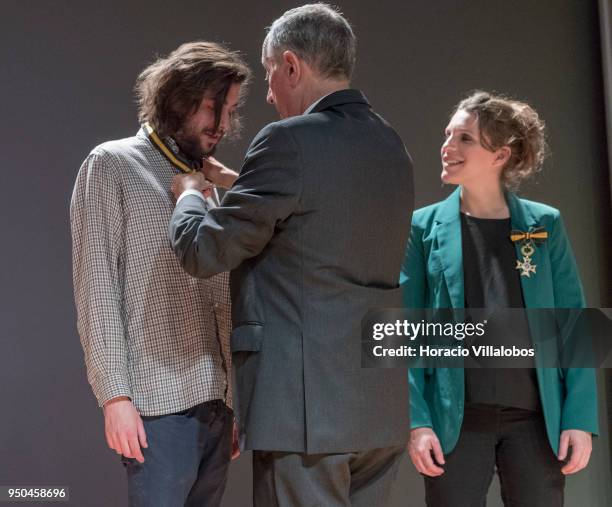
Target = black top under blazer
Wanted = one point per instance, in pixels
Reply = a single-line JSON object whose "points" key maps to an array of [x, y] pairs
{"points": [[314, 232]]}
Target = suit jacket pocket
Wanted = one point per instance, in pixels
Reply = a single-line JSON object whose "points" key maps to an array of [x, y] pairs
{"points": [[246, 342], [247, 337]]}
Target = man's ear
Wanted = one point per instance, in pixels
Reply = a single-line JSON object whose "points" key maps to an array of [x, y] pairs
{"points": [[293, 67]]}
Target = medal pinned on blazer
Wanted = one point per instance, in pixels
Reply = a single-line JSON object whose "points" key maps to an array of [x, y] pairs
{"points": [[529, 240]]}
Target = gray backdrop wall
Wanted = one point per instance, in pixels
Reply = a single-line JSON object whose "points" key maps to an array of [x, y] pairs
{"points": [[68, 68]]}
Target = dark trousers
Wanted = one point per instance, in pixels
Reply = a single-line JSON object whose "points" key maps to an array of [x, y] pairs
{"points": [[187, 460], [359, 479], [510, 439]]}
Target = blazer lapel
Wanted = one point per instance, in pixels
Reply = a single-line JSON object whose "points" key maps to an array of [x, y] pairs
{"points": [[449, 247], [521, 219]]}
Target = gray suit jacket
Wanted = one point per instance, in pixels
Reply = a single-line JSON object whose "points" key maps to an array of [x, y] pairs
{"points": [[314, 231]]}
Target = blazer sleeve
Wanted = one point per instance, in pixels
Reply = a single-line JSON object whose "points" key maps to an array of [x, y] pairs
{"points": [[266, 193], [579, 409], [413, 280]]}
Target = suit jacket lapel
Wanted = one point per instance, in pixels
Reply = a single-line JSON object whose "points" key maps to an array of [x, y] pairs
{"points": [[522, 220], [449, 247]]}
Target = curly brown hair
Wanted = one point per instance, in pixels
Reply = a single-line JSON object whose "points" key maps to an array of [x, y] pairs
{"points": [[169, 90], [506, 122]]}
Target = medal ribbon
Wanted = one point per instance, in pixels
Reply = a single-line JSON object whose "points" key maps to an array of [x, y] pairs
{"points": [[167, 152], [538, 235]]}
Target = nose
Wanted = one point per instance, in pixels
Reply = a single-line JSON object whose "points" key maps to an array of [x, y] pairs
{"points": [[270, 97], [225, 121], [448, 144]]}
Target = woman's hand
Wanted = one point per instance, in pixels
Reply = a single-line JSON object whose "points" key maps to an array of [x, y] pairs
{"points": [[424, 442], [581, 444]]}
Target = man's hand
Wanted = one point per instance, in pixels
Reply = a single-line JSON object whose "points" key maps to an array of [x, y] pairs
{"points": [[195, 181], [423, 441], [235, 442], [581, 444], [125, 433], [216, 172]]}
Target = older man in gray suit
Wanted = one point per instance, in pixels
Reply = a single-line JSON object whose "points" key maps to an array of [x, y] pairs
{"points": [[314, 230]]}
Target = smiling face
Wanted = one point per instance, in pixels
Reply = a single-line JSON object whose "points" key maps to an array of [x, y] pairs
{"points": [[198, 137], [465, 161]]}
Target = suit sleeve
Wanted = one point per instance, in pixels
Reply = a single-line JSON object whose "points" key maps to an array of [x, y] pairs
{"points": [[266, 193], [413, 281], [96, 220], [579, 409]]}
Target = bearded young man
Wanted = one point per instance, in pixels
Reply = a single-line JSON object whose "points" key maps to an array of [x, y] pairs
{"points": [[156, 339], [314, 231]]}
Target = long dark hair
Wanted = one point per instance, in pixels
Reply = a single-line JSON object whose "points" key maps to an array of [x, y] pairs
{"points": [[171, 88]]}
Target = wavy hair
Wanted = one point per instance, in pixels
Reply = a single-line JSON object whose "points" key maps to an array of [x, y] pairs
{"points": [[169, 90], [506, 122]]}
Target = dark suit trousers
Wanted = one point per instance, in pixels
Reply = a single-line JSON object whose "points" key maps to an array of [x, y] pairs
{"points": [[512, 440], [359, 479]]}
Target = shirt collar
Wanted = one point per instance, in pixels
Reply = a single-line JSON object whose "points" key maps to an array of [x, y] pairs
{"points": [[337, 98]]}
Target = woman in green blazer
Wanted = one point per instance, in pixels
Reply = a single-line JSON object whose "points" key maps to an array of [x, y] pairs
{"points": [[522, 422]]}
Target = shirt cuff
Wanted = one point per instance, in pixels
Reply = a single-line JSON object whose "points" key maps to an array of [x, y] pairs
{"points": [[107, 387], [191, 191]]}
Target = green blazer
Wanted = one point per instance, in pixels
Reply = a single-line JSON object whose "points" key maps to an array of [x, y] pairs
{"points": [[432, 277]]}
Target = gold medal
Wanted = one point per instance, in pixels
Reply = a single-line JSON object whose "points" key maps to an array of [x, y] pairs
{"points": [[530, 240], [525, 265]]}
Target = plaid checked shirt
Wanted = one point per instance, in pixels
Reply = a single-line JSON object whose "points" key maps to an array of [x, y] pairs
{"points": [[149, 330]]}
